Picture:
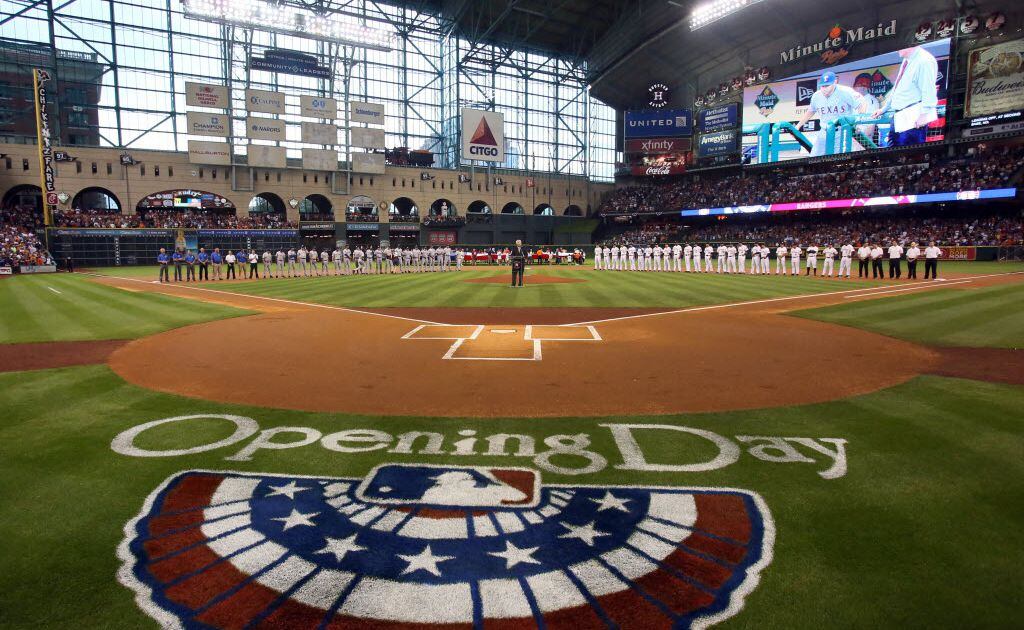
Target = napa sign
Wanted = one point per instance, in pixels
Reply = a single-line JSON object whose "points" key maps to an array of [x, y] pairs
{"points": [[693, 450], [837, 43]]}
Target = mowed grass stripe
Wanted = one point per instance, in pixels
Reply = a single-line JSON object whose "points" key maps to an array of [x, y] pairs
{"points": [[84, 310], [989, 316]]}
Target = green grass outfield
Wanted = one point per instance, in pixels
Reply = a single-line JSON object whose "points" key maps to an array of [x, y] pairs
{"points": [[987, 316], [601, 289], [67, 307], [924, 530]]}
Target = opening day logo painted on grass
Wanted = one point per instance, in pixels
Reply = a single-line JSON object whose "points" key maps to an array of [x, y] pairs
{"points": [[414, 545], [690, 446]]}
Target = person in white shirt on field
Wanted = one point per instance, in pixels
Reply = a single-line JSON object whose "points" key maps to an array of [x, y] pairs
{"points": [[741, 257], [931, 261], [677, 258], [325, 261], [830, 260], [913, 253], [696, 252], [720, 264], [794, 257], [708, 253], [303, 254], [632, 257], [846, 252], [610, 254], [336, 259], [598, 252], [623, 254], [766, 260], [648, 258], [895, 253], [687, 256], [614, 260], [781, 252], [656, 261], [876, 261], [346, 261], [863, 256], [755, 259], [730, 252], [812, 259], [314, 259]]}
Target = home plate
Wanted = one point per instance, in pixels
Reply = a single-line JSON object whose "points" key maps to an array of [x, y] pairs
{"points": [[504, 331]]}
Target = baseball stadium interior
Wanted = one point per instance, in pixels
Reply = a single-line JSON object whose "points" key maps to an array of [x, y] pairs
{"points": [[511, 313]]}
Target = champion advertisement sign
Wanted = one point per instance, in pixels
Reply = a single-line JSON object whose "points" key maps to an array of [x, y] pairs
{"points": [[723, 117], [718, 143], [669, 123], [483, 135]]}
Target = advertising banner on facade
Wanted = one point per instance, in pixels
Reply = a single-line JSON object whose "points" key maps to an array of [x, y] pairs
{"points": [[665, 123], [369, 113], [658, 146], [366, 138], [203, 152], [718, 143], [271, 157], [289, 62], [203, 124], [715, 118], [206, 95], [47, 175], [264, 128], [319, 133], [320, 159], [995, 79], [318, 107], [264, 101], [372, 163], [483, 135]]}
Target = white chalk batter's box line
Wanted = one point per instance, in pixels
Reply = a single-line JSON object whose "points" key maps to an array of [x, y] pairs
{"points": [[479, 328]]}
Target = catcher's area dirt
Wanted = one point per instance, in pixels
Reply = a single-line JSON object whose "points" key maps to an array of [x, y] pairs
{"points": [[340, 360]]}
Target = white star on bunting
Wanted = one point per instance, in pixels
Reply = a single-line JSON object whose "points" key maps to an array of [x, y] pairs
{"points": [[287, 490], [586, 533], [296, 519], [341, 546], [514, 555], [611, 502], [425, 560]]}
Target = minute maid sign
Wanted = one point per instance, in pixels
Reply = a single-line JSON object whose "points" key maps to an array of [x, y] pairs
{"points": [[837, 42], [483, 135]]}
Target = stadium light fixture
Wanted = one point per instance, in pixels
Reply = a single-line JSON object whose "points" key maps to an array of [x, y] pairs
{"points": [[279, 17], [717, 9]]}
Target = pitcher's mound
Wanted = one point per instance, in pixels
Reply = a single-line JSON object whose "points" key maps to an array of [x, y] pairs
{"points": [[506, 278]]}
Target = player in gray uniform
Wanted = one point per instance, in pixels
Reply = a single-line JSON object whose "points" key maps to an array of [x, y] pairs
{"points": [[303, 255], [357, 258], [314, 260], [346, 261], [267, 258], [325, 261], [291, 263], [336, 259], [280, 263], [378, 259], [406, 261]]}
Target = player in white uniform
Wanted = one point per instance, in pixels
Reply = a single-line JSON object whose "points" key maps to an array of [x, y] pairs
{"points": [[780, 260], [346, 261], [609, 254], [731, 251], [598, 252], [267, 258], [303, 256], [755, 259], [708, 253], [292, 254], [615, 257], [336, 259], [656, 251], [741, 257], [357, 258], [314, 258], [632, 257], [687, 255], [623, 255], [846, 254], [677, 258], [766, 260], [280, 263], [830, 256], [325, 261], [812, 259], [697, 251], [721, 266], [829, 103], [794, 256]]}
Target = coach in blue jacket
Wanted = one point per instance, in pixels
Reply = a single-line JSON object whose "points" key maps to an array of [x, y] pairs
{"points": [[162, 259], [177, 258]]}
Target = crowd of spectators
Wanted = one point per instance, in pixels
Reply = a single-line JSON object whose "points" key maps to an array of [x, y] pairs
{"points": [[19, 244], [850, 227], [977, 167], [188, 219]]}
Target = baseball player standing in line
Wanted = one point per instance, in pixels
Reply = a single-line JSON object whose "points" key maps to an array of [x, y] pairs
{"points": [[677, 255], [314, 261], [931, 260], [216, 259], [846, 253], [721, 264], [279, 258], [609, 252], [863, 253], [812, 260], [666, 252], [755, 259], [623, 254], [657, 258], [325, 262], [687, 255], [598, 252], [346, 261], [766, 259], [781, 252], [378, 259], [407, 261], [267, 259], [336, 259], [616, 252], [741, 257], [292, 254], [730, 252], [708, 254], [794, 256], [632, 257], [303, 255], [830, 260], [696, 252]]}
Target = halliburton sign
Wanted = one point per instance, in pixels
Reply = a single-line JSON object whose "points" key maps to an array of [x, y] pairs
{"points": [[658, 146]]}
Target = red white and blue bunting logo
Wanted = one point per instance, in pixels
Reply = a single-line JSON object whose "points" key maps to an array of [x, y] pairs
{"points": [[444, 546]]}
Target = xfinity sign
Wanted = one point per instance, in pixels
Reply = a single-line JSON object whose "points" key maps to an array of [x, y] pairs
{"points": [[483, 135]]}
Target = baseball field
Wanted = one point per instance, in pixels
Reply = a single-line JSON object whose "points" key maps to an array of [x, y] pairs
{"points": [[595, 449]]}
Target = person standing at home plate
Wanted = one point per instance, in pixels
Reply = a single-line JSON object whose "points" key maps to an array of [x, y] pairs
{"points": [[598, 252], [812, 259], [830, 260], [781, 258], [846, 253], [794, 256]]}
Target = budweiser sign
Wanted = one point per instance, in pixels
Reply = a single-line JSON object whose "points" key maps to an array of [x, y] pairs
{"points": [[658, 146]]}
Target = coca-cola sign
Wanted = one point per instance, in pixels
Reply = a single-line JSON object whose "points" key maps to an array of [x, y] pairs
{"points": [[657, 146], [677, 168]]}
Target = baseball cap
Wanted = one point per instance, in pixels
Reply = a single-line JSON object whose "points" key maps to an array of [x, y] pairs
{"points": [[827, 78]]}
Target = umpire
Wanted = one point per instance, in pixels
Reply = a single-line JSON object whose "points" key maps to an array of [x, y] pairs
{"points": [[518, 257]]}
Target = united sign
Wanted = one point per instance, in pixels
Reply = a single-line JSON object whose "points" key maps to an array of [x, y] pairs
{"points": [[445, 546]]}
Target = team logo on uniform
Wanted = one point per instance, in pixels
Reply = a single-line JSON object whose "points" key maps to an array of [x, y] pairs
{"points": [[766, 101], [442, 545]]}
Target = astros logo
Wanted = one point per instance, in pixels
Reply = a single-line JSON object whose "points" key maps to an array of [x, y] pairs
{"points": [[416, 545]]}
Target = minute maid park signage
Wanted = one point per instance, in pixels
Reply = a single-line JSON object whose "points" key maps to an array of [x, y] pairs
{"points": [[837, 42]]}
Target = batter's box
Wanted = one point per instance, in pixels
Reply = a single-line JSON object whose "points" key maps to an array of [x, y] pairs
{"points": [[500, 342]]}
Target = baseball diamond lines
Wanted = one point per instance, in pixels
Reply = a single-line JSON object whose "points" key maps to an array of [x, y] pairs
{"points": [[224, 549], [481, 342]]}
